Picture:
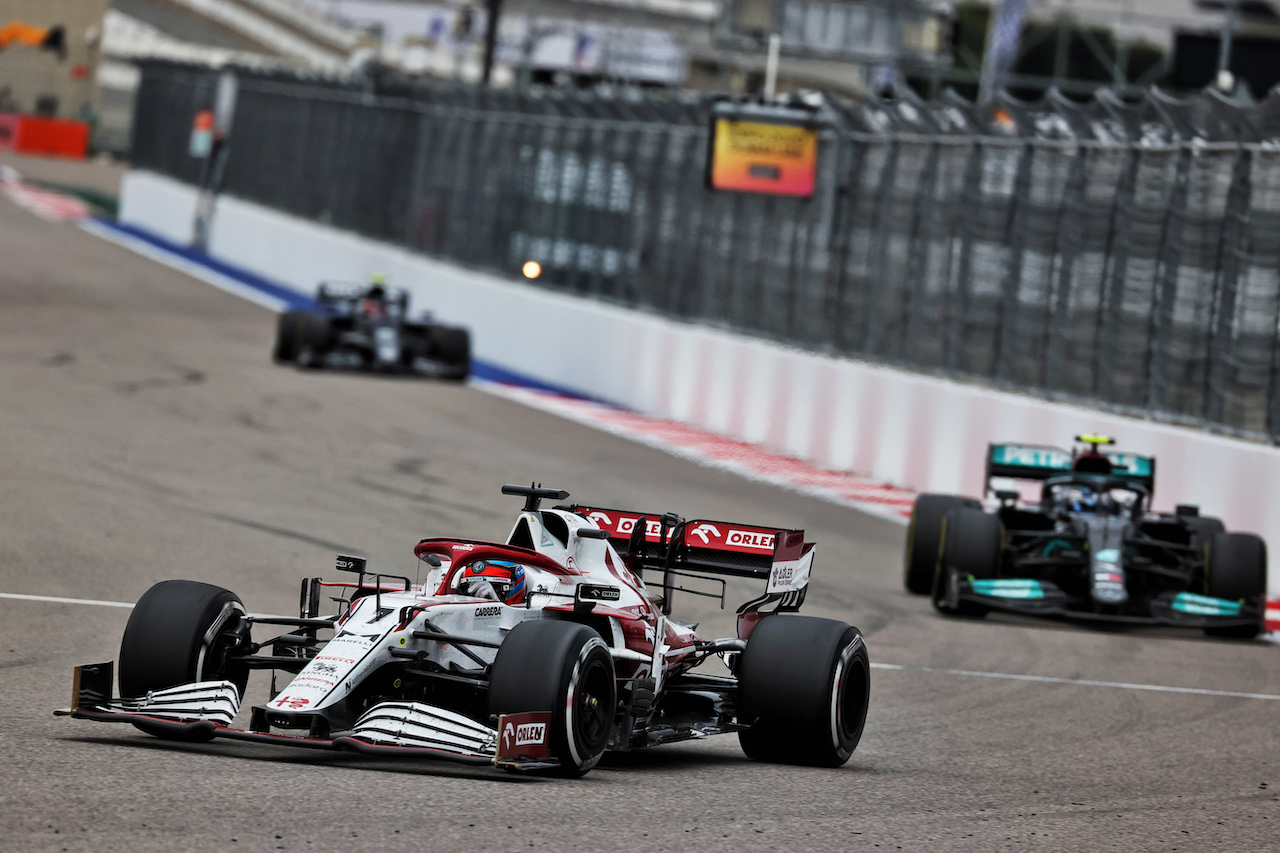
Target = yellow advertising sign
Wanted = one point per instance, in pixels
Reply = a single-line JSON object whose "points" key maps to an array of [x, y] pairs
{"points": [[778, 159]]}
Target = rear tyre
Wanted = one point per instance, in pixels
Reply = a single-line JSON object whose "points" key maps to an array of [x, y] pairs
{"points": [[924, 536], [565, 669], [804, 684], [453, 348], [1236, 569], [180, 632], [288, 335], [972, 545]]}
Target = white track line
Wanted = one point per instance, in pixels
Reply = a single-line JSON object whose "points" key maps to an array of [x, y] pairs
{"points": [[1078, 682], [56, 600], [964, 673]]}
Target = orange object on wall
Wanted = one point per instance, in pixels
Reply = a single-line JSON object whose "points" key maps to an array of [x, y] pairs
{"points": [[49, 137], [16, 32]]}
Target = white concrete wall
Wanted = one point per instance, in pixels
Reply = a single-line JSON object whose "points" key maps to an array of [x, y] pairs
{"points": [[910, 430], [165, 208]]}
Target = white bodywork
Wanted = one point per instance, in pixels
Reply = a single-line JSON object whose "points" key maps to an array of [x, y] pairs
{"points": [[400, 646], [372, 626]]}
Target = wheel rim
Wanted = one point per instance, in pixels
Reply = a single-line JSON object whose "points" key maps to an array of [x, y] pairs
{"points": [[849, 697], [204, 657], [592, 714]]}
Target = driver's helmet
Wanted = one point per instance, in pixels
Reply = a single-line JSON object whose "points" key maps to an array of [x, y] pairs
{"points": [[375, 298], [1092, 461], [1083, 499], [495, 580]]}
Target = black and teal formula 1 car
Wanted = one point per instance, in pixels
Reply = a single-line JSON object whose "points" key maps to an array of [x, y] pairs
{"points": [[1090, 548], [368, 327]]}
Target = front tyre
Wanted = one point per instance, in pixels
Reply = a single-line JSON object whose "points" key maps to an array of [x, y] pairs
{"points": [[316, 334], [804, 685], [288, 335], [564, 669], [924, 537], [181, 632], [452, 347], [972, 547], [1236, 569]]}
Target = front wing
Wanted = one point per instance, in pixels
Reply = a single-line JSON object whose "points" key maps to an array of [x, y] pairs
{"points": [[205, 710], [1042, 598]]}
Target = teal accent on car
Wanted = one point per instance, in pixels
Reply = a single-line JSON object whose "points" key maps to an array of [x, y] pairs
{"points": [[1023, 456], [1008, 588], [1203, 605], [1131, 466], [1056, 545], [1107, 555]]}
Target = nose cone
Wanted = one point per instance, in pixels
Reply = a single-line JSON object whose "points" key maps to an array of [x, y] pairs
{"points": [[1106, 561]]}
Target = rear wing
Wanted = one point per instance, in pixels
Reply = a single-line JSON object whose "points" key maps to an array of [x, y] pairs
{"points": [[699, 547], [346, 295], [1038, 462]]}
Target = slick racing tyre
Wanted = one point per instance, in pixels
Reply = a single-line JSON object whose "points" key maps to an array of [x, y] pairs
{"points": [[924, 535], [453, 348], [563, 668], [317, 338], [803, 685], [972, 545], [1236, 569], [289, 335], [180, 632]]}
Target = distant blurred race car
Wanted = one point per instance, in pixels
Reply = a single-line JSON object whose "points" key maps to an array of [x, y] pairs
{"points": [[1090, 548], [367, 327], [542, 651]]}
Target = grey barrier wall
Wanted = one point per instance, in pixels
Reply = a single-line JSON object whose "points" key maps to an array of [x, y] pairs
{"points": [[1125, 255]]}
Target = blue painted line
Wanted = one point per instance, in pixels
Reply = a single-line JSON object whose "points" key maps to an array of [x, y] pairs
{"points": [[491, 372], [480, 369], [286, 295]]}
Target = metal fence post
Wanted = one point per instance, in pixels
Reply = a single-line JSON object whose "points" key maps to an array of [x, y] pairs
{"points": [[1218, 371], [918, 246], [1111, 299], [956, 337], [1009, 307], [872, 319], [1160, 318], [1057, 317]]}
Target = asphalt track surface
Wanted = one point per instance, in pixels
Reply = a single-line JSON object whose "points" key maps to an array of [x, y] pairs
{"points": [[145, 435]]}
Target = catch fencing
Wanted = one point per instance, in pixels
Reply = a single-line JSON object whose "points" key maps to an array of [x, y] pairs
{"points": [[1126, 255]]}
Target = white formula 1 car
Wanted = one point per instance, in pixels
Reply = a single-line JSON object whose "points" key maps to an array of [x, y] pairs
{"points": [[541, 652]]}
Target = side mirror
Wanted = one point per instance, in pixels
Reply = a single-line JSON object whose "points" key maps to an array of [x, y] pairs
{"points": [[351, 564]]}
